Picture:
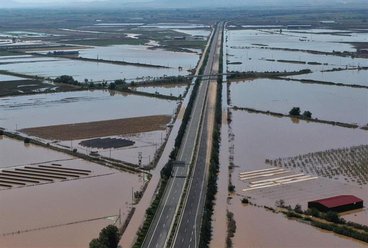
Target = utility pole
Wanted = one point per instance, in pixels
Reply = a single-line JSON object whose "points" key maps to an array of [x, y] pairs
{"points": [[132, 196]]}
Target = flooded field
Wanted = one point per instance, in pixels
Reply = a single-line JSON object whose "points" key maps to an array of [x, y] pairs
{"points": [[260, 137], [76, 107], [141, 54], [358, 77], [195, 32], [266, 50], [257, 227], [87, 70], [9, 78], [269, 137], [81, 70], [328, 35], [342, 104], [70, 213], [254, 58], [275, 39], [274, 158], [144, 55], [176, 26], [169, 90]]}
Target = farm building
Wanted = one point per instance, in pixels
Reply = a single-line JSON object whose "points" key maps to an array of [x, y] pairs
{"points": [[339, 203]]}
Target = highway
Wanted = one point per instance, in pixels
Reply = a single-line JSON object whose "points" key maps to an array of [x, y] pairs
{"points": [[188, 232], [162, 223]]}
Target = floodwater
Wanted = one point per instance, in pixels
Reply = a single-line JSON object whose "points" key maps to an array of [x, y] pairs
{"points": [[345, 77], [272, 38], [253, 138], [175, 26], [259, 137], [81, 70], [334, 103], [254, 49], [60, 203], [144, 55], [169, 90], [195, 32], [75, 107], [219, 221], [327, 35], [9, 78], [257, 227], [23, 34], [263, 59], [29, 153]]}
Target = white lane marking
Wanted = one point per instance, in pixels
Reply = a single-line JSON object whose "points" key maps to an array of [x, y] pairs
{"points": [[162, 209]]}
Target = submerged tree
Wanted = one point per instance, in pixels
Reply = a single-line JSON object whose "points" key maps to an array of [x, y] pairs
{"points": [[307, 114], [108, 238], [295, 111]]}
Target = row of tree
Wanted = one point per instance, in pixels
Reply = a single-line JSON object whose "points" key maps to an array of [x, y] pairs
{"points": [[295, 111]]}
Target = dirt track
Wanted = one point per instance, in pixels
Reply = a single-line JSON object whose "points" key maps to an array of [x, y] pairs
{"points": [[100, 128]]}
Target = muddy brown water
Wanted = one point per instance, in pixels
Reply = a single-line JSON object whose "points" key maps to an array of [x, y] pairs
{"points": [[258, 137], [257, 227], [26, 209]]}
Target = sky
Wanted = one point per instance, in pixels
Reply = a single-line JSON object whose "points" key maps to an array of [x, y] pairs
{"points": [[171, 3]]}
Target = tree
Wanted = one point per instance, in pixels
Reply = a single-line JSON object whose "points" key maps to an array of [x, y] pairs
{"points": [[295, 111], [108, 238], [298, 208], [95, 243], [112, 86], [307, 114], [332, 216], [65, 79], [120, 82]]}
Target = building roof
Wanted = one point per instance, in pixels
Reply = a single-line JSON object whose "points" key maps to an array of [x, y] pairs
{"points": [[337, 201]]}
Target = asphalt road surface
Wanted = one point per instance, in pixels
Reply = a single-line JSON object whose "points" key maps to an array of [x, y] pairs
{"points": [[188, 232], [161, 225]]}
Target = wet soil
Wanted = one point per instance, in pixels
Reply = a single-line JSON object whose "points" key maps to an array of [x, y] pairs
{"points": [[100, 128]]}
